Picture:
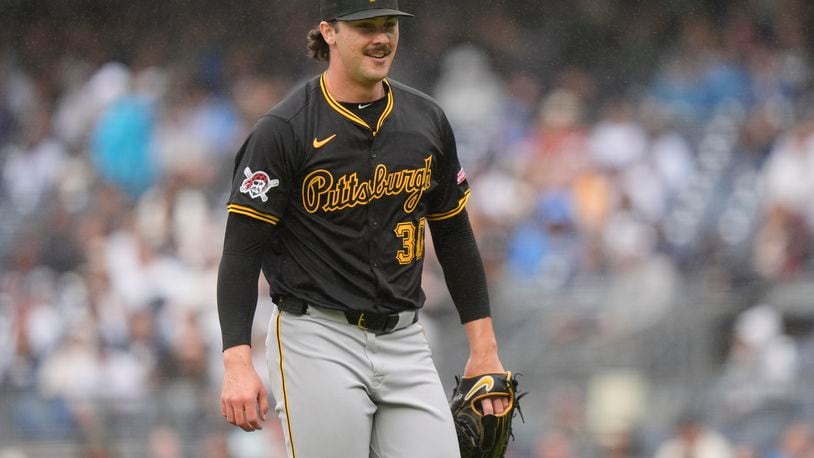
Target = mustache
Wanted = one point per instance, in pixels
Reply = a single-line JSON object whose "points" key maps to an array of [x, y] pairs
{"points": [[386, 49]]}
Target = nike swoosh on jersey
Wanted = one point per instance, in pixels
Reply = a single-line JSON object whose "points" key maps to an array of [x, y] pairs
{"points": [[363, 106], [486, 381], [320, 143]]}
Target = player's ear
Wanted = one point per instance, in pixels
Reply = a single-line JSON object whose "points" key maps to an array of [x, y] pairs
{"points": [[328, 31]]}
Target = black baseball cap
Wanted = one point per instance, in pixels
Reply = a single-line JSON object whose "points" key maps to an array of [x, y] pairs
{"points": [[353, 10]]}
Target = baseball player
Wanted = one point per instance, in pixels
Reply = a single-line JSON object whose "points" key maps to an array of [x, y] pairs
{"points": [[332, 192]]}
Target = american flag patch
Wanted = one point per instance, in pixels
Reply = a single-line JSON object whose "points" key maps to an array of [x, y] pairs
{"points": [[461, 176]]}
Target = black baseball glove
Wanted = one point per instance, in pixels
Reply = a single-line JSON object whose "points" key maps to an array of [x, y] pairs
{"points": [[483, 436]]}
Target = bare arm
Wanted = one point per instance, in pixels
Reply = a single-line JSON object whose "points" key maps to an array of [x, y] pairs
{"points": [[243, 398]]}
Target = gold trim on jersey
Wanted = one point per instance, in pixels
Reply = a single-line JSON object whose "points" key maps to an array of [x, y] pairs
{"points": [[252, 213], [351, 115], [282, 379], [454, 211]]}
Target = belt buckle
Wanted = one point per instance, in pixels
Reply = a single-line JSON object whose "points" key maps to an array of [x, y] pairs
{"points": [[360, 323]]}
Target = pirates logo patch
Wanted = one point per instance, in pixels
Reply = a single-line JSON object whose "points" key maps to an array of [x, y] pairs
{"points": [[257, 184]]}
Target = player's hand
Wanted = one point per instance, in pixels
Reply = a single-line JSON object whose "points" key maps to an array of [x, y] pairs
{"points": [[487, 364], [243, 400]]}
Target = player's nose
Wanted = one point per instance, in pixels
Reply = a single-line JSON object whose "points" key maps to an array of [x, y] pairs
{"points": [[381, 36]]}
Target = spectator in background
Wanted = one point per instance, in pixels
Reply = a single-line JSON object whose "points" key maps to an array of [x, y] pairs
{"points": [[635, 269], [196, 134], [698, 76], [795, 442], [694, 439], [33, 165], [783, 245], [669, 156], [165, 443], [789, 168], [617, 141], [555, 444], [555, 149], [546, 246], [518, 112], [758, 385], [122, 143], [499, 202], [471, 94]]}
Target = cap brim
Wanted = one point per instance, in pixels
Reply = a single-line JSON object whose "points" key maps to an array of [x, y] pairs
{"points": [[367, 14]]}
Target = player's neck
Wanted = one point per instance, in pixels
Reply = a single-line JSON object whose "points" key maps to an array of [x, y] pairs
{"points": [[345, 89]]}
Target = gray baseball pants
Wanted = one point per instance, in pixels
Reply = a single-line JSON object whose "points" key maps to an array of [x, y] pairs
{"points": [[344, 392]]}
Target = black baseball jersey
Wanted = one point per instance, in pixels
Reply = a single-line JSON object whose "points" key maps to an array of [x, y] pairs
{"points": [[350, 200]]}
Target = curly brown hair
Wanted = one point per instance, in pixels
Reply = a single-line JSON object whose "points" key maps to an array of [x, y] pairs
{"points": [[317, 47]]}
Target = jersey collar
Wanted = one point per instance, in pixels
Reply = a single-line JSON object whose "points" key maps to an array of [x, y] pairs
{"points": [[352, 116]]}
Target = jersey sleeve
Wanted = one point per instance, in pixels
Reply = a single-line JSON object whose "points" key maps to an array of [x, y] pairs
{"points": [[452, 192], [264, 171]]}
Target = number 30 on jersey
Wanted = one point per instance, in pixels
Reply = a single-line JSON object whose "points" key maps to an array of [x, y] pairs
{"points": [[412, 241]]}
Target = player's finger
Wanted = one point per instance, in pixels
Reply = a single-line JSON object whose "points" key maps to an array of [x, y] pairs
{"points": [[488, 408], [251, 416], [497, 404], [240, 418], [230, 414], [264, 404], [222, 407]]}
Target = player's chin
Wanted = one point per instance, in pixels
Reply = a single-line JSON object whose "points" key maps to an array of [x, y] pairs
{"points": [[377, 69]]}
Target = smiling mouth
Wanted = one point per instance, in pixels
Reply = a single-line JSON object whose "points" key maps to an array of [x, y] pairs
{"points": [[378, 54]]}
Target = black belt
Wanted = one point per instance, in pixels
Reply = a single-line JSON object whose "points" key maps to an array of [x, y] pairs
{"points": [[373, 322]]}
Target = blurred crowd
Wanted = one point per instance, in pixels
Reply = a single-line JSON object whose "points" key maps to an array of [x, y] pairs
{"points": [[642, 147]]}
